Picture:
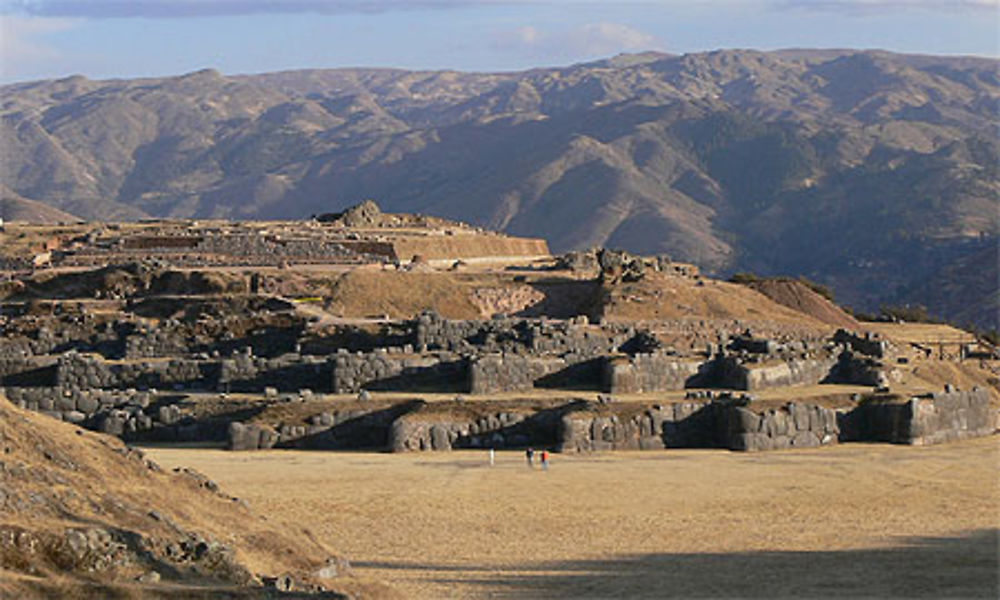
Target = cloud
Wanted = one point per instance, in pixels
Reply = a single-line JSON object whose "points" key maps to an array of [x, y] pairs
{"points": [[23, 44], [606, 38], [886, 6], [102, 9], [594, 39], [99, 9]]}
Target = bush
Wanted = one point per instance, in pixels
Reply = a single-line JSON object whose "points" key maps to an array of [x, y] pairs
{"points": [[819, 288], [863, 316], [910, 313], [744, 278], [747, 278]]}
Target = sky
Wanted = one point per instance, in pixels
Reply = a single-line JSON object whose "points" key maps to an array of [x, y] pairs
{"points": [[102, 39]]}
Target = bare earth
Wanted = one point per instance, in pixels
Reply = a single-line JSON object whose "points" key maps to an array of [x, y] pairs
{"points": [[847, 521]]}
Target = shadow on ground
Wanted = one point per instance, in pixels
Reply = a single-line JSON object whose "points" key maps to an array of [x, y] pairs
{"points": [[947, 567]]}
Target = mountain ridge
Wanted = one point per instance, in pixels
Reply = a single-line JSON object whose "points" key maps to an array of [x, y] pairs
{"points": [[865, 170]]}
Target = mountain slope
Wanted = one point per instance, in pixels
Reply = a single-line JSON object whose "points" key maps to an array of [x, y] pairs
{"points": [[867, 171], [16, 208]]}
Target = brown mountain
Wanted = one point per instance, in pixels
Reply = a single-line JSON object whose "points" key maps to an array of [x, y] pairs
{"points": [[870, 172], [15, 208]]}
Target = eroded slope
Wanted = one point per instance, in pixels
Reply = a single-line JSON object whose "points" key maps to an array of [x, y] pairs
{"points": [[82, 515]]}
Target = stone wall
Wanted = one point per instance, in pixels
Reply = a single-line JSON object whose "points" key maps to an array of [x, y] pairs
{"points": [[789, 372], [80, 371], [867, 344], [29, 372], [451, 247], [155, 343], [124, 413], [858, 369], [739, 373], [654, 372], [658, 372], [499, 430], [723, 424], [494, 373], [792, 426], [60, 334], [266, 249], [335, 429], [931, 419], [535, 336], [385, 370], [243, 372], [680, 425]]}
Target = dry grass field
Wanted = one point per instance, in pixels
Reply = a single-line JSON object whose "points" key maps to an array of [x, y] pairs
{"points": [[850, 521]]}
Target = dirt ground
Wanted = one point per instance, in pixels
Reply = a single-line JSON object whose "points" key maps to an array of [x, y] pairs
{"points": [[848, 521]]}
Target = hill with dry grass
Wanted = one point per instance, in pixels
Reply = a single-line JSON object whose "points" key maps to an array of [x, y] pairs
{"points": [[13, 207], [798, 296], [84, 516], [872, 172], [658, 297]]}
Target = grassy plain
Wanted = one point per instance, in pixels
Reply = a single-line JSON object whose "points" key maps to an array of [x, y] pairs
{"points": [[856, 520]]}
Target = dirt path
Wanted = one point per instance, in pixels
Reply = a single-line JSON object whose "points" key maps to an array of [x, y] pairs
{"points": [[854, 520]]}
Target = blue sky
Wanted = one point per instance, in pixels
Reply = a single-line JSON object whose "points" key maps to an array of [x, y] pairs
{"points": [[101, 39]]}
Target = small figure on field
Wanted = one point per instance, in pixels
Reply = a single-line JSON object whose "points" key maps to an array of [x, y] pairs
{"points": [[492, 456], [529, 454], [545, 460]]}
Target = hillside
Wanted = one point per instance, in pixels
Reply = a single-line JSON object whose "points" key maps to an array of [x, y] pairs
{"points": [[871, 172], [15, 208], [82, 515], [798, 296]]}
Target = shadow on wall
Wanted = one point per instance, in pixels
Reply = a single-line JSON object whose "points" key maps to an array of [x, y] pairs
{"points": [[443, 377], [951, 567], [187, 428], [565, 299], [582, 376], [363, 431], [539, 430]]}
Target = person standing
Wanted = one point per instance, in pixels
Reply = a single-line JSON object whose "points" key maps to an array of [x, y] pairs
{"points": [[545, 460], [493, 455], [529, 455]]}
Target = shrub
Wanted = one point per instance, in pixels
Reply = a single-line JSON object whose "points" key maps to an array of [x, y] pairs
{"points": [[914, 313], [744, 278], [819, 288]]}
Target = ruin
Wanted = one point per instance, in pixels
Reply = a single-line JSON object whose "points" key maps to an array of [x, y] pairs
{"points": [[178, 331]]}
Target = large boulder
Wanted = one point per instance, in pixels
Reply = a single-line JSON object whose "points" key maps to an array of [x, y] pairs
{"points": [[366, 214]]}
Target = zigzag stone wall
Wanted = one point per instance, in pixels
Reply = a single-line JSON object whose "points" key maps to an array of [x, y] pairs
{"points": [[782, 373], [330, 430], [494, 373], [498, 430], [383, 369], [793, 426], [686, 424], [78, 371], [652, 372], [932, 419], [125, 413], [701, 425]]}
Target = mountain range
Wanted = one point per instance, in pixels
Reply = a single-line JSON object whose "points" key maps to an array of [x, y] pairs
{"points": [[873, 173]]}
